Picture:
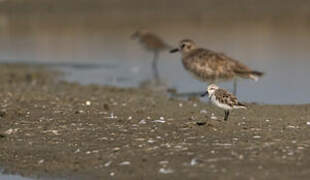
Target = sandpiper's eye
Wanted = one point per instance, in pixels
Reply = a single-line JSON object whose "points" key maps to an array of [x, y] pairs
{"points": [[182, 46]]}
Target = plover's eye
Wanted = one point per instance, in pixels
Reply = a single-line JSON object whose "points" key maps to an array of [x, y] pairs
{"points": [[182, 46]]}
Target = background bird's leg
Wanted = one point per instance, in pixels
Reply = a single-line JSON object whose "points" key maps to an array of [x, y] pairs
{"points": [[226, 115], [155, 66], [235, 87]]}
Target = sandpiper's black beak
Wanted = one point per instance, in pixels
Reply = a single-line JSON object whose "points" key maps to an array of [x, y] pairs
{"points": [[174, 50], [204, 94]]}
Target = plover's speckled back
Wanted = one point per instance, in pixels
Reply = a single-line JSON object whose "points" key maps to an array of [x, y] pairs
{"points": [[153, 43], [223, 99], [210, 66]]}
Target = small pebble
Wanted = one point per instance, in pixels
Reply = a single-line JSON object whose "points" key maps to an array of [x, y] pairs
{"points": [[116, 149], [76, 151], [203, 111], [163, 162], [213, 116], [55, 132], [150, 141], [142, 121], [193, 162], [41, 161], [256, 137]]}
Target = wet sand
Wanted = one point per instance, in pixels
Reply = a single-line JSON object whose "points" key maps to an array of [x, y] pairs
{"points": [[53, 128]]}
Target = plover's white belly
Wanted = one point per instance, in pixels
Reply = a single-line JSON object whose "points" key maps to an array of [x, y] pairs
{"points": [[219, 104]]}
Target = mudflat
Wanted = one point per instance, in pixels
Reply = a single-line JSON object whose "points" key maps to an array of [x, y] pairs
{"points": [[49, 127]]}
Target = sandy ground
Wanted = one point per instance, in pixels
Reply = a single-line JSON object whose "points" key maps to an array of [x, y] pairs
{"points": [[55, 128]]}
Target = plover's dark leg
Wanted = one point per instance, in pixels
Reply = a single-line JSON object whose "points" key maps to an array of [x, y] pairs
{"points": [[226, 115], [235, 87], [154, 66]]}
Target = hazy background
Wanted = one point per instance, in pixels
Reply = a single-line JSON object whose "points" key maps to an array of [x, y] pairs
{"points": [[90, 40]]}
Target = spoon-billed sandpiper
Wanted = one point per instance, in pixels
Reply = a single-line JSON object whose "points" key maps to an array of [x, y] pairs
{"points": [[223, 99], [211, 66], [151, 42]]}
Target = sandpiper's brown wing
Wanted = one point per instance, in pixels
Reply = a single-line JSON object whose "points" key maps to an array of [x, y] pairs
{"points": [[153, 42], [226, 97]]}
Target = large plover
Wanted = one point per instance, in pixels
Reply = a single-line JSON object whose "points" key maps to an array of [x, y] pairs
{"points": [[223, 99], [210, 66], [151, 42]]}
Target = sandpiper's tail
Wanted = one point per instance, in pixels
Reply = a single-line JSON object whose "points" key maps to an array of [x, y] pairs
{"points": [[240, 106], [255, 75]]}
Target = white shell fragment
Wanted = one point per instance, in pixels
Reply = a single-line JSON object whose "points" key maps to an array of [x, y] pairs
{"points": [[165, 171], [159, 121], [11, 131], [107, 164], [124, 163], [88, 103]]}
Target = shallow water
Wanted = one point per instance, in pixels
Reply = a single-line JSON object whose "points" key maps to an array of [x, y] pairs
{"points": [[94, 47], [13, 177], [5, 176]]}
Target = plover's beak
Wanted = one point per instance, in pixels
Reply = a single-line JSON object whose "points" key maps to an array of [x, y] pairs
{"points": [[204, 94], [174, 50]]}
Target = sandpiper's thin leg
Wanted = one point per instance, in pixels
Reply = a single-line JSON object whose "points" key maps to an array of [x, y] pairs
{"points": [[235, 87], [226, 115], [154, 66]]}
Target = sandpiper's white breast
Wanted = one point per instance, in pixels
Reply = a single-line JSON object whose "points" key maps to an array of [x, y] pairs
{"points": [[219, 104]]}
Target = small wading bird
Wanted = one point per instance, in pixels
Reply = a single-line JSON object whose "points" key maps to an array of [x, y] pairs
{"points": [[223, 99], [151, 42], [209, 66]]}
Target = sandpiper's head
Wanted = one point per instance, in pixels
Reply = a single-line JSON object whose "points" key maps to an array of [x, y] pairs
{"points": [[139, 33], [210, 90], [185, 46]]}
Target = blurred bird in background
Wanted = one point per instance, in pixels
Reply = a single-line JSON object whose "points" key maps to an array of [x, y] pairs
{"points": [[152, 43]]}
